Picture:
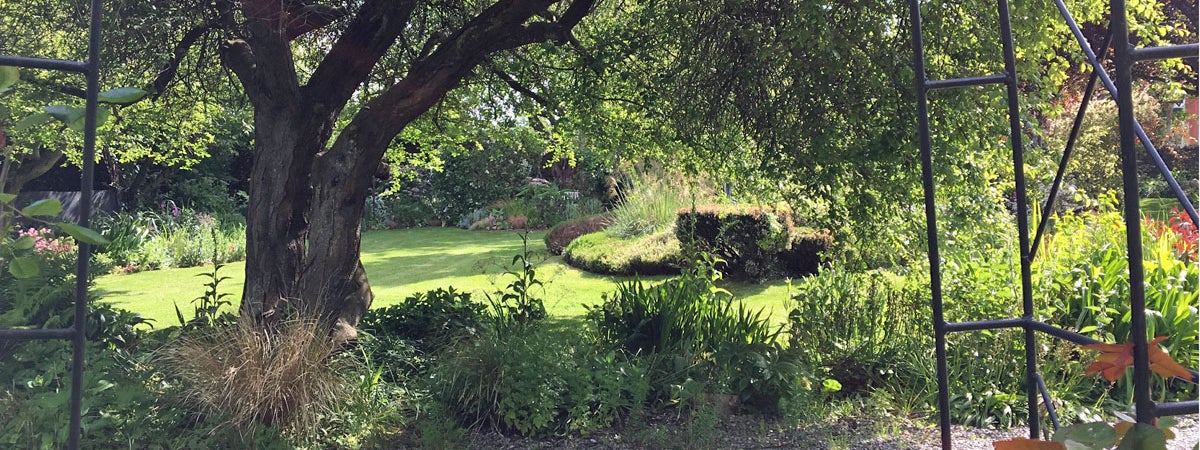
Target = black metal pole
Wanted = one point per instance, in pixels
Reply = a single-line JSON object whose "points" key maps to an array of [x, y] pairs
{"points": [[1113, 91], [85, 214], [1133, 221], [1066, 156], [1015, 138], [935, 273]]}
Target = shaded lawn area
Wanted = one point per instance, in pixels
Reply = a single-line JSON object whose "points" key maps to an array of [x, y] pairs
{"points": [[402, 262]]}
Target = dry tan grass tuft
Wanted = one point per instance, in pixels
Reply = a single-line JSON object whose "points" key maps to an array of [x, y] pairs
{"points": [[247, 375]]}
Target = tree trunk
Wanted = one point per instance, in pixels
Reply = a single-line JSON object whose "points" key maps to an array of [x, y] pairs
{"points": [[307, 196]]}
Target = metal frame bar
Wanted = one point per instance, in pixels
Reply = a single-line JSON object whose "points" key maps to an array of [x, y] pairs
{"points": [[77, 332], [1130, 130]]}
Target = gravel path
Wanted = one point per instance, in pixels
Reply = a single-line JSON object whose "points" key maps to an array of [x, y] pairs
{"points": [[748, 432]]}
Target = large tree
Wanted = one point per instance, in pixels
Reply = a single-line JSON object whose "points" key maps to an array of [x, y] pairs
{"points": [[299, 65]]}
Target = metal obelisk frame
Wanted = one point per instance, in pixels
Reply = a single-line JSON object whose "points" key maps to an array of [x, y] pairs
{"points": [[76, 333], [1130, 131]]}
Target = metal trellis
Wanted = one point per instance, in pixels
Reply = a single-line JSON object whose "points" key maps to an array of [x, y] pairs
{"points": [[1125, 55], [76, 333]]}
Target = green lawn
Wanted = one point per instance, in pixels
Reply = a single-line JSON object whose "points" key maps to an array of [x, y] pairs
{"points": [[401, 262]]}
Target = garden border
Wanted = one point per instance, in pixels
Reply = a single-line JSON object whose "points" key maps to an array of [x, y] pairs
{"points": [[1125, 56], [90, 68]]}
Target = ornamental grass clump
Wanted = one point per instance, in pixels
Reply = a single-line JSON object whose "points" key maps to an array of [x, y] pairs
{"points": [[245, 375]]}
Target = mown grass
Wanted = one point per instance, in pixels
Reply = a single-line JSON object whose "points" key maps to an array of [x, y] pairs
{"points": [[402, 262]]}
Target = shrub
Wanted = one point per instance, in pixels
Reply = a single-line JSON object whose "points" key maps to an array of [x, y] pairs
{"points": [[857, 328], [562, 234], [722, 344], [754, 242], [475, 178], [430, 320], [547, 205], [148, 240], [806, 253], [527, 381], [604, 252], [249, 375]]}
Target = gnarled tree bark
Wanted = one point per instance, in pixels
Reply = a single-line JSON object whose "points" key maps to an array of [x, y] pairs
{"points": [[307, 194]]}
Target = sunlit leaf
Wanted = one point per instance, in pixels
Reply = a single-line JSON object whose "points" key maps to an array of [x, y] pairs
{"points": [[7, 198], [121, 95], [31, 121], [83, 234], [43, 207], [24, 267], [1027, 444]]}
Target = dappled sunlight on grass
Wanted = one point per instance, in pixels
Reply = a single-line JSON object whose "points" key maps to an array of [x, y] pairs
{"points": [[400, 263]]}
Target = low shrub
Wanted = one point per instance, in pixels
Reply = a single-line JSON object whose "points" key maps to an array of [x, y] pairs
{"points": [[606, 253], [562, 234], [429, 320], [754, 242], [857, 327], [527, 381], [151, 240], [705, 335]]}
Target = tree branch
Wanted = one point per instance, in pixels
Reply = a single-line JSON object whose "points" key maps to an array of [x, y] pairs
{"points": [[517, 86], [167, 74], [372, 31]]}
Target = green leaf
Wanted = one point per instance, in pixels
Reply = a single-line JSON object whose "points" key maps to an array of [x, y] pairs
{"points": [[23, 243], [831, 385], [83, 234], [121, 96], [1143, 437], [7, 198], [75, 117], [25, 267], [31, 121], [1086, 436], [43, 207], [9, 76], [65, 114]]}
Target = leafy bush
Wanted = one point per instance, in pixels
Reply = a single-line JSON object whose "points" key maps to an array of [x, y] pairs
{"points": [[429, 320], [529, 382], [149, 240], [562, 234], [605, 252], [401, 210], [725, 346], [472, 180], [858, 328], [547, 204], [755, 242]]}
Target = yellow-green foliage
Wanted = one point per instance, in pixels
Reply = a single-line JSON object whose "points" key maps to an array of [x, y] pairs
{"points": [[604, 252]]}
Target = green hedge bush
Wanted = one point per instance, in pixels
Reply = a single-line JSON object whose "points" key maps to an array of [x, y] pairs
{"points": [[755, 242], [603, 252]]}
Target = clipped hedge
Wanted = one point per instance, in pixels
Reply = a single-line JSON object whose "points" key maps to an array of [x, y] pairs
{"points": [[755, 242], [562, 234], [605, 253]]}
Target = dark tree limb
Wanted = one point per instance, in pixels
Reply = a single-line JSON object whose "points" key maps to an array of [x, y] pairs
{"points": [[517, 86], [167, 74], [349, 63]]}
